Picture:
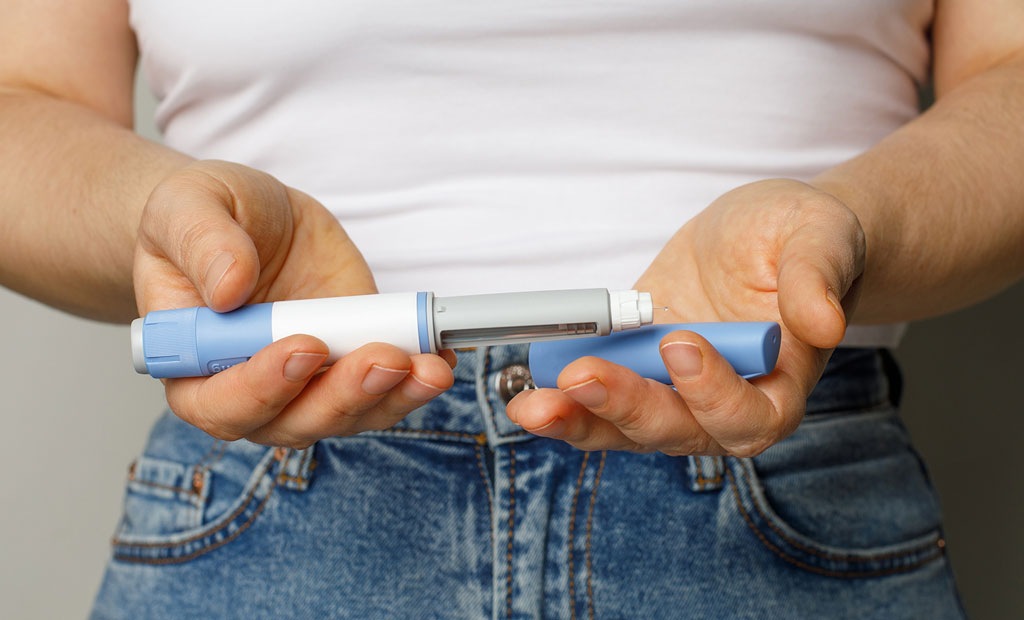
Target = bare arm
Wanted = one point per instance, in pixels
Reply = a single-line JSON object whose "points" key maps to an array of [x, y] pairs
{"points": [[88, 208], [930, 219], [942, 199], [76, 178]]}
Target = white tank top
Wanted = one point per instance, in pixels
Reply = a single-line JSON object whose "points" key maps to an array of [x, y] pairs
{"points": [[473, 147]]}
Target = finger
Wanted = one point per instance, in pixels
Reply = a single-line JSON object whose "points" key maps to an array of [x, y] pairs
{"points": [[817, 267], [233, 402], [449, 356], [374, 382], [430, 375], [739, 416], [195, 225], [553, 414], [647, 412]]}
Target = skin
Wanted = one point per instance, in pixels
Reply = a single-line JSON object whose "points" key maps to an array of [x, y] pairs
{"points": [[124, 226], [927, 221]]}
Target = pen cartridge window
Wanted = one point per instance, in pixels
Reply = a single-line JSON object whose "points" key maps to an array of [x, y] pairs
{"points": [[514, 335]]}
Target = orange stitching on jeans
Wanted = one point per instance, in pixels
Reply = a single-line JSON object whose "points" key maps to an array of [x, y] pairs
{"points": [[822, 554], [487, 490], [232, 517], [511, 525], [572, 527], [815, 569], [216, 545], [702, 482], [163, 486], [590, 521], [209, 453], [306, 464], [223, 451]]}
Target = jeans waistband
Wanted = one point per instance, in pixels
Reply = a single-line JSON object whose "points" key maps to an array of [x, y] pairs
{"points": [[474, 409]]}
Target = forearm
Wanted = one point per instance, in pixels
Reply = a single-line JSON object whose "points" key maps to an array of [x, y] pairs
{"points": [[941, 201], [75, 184]]}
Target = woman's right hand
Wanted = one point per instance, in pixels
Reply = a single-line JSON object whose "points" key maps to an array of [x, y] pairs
{"points": [[221, 235]]}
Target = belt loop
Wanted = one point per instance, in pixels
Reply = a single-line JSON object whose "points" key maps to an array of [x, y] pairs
{"points": [[705, 473], [297, 469]]}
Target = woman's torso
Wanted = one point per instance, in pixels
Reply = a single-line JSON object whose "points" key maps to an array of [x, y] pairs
{"points": [[474, 147]]}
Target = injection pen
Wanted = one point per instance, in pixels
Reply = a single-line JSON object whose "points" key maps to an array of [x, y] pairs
{"points": [[192, 342], [564, 325]]}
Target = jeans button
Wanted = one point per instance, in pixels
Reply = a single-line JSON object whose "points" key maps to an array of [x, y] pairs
{"points": [[512, 380]]}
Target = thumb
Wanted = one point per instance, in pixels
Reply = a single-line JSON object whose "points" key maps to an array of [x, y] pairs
{"points": [[192, 226], [818, 266]]}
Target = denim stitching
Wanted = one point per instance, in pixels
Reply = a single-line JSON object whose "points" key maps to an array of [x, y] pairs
{"points": [[194, 493], [223, 451], [198, 552], [511, 524], [822, 554], [814, 569], [487, 491], [300, 482], [572, 528], [695, 469], [702, 482], [590, 521], [163, 486], [232, 517], [213, 446]]}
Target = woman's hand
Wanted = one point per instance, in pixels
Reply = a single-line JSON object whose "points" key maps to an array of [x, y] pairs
{"points": [[776, 250], [222, 235]]}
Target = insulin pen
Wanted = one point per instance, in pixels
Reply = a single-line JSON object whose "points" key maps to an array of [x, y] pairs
{"points": [[564, 324]]}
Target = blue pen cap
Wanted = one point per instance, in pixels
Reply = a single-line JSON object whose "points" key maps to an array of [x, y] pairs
{"points": [[751, 348], [166, 340], [198, 342]]}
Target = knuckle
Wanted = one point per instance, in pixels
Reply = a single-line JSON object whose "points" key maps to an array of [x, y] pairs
{"points": [[256, 397], [636, 411], [750, 449], [700, 445], [292, 442], [722, 404], [345, 420], [217, 430], [192, 239], [634, 416], [756, 445]]}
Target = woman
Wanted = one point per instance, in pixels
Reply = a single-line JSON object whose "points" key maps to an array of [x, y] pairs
{"points": [[481, 148]]}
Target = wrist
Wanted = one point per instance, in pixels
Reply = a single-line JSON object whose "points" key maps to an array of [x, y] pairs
{"points": [[883, 233]]}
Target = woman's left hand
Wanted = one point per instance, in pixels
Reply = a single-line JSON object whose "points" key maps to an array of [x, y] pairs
{"points": [[776, 250]]}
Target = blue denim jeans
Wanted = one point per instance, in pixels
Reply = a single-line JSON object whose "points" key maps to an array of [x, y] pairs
{"points": [[458, 513]]}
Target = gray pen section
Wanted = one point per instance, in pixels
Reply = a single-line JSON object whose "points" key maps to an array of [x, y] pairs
{"points": [[512, 318]]}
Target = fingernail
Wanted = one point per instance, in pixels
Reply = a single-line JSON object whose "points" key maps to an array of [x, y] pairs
{"points": [[216, 271], [380, 379], [684, 359], [554, 428], [418, 389], [830, 296], [301, 365], [590, 393]]}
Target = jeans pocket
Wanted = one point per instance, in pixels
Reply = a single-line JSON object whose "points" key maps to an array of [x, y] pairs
{"points": [[189, 493], [844, 496]]}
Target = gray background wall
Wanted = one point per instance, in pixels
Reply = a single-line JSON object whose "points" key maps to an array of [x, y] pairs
{"points": [[74, 415]]}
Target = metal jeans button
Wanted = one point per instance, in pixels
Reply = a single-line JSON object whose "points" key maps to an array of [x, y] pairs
{"points": [[512, 380]]}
